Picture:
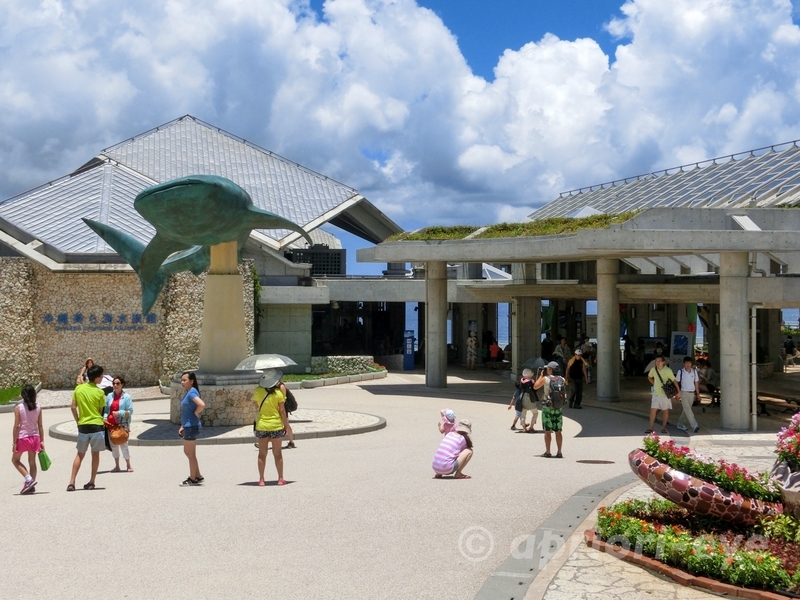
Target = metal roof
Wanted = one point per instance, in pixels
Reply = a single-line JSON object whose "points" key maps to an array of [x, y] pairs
{"points": [[762, 178], [52, 213], [104, 188]]}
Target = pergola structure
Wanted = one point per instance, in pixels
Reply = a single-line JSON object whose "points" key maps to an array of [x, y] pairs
{"points": [[704, 222]]}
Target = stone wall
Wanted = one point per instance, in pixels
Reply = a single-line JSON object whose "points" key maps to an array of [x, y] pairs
{"points": [[50, 322], [97, 315], [17, 332], [182, 301]]}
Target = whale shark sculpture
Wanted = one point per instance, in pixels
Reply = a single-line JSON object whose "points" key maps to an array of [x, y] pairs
{"points": [[190, 215]]}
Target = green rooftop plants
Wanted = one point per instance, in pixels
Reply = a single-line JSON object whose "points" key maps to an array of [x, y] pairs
{"points": [[552, 226]]}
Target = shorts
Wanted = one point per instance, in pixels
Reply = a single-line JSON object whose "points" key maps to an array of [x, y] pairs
{"points": [[270, 434], [552, 419], [518, 413], [97, 441], [661, 402], [31, 443], [191, 433]]}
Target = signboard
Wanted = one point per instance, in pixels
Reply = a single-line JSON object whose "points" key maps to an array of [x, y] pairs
{"points": [[63, 321], [408, 350]]}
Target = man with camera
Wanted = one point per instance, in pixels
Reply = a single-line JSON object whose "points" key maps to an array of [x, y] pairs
{"points": [[553, 399]]}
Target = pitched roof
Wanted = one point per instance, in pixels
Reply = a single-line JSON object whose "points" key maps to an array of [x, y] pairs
{"points": [[761, 178], [104, 188]]}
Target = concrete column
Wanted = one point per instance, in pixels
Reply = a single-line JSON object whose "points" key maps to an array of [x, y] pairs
{"points": [[608, 361], [526, 331], [734, 334], [223, 342], [436, 324]]}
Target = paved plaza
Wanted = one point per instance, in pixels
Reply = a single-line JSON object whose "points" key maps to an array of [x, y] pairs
{"points": [[362, 516]]}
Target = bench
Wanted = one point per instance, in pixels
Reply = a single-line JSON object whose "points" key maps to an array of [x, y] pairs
{"points": [[777, 401]]}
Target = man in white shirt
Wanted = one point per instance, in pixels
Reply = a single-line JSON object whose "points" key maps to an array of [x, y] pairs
{"points": [[689, 382]]}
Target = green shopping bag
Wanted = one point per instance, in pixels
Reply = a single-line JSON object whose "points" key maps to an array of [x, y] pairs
{"points": [[44, 460]]}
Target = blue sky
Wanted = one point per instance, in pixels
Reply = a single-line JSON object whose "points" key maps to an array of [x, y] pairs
{"points": [[486, 29]]}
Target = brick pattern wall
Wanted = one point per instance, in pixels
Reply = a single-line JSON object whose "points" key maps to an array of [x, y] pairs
{"points": [[50, 322]]}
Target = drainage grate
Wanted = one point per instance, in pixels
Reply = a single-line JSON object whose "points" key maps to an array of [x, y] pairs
{"points": [[596, 462]]}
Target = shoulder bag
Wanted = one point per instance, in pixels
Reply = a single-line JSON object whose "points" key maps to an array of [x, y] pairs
{"points": [[670, 389]]}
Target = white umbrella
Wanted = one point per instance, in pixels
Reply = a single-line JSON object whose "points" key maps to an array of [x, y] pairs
{"points": [[258, 362]]}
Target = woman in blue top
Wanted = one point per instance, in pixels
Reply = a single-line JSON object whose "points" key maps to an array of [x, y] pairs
{"points": [[191, 407]]}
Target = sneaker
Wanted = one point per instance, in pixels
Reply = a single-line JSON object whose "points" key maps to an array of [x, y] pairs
{"points": [[682, 427], [189, 482], [648, 431], [28, 486], [696, 429]]}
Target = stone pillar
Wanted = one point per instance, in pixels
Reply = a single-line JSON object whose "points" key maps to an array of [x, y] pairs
{"points": [[526, 331], [608, 361], [223, 341], [436, 324], [734, 333]]}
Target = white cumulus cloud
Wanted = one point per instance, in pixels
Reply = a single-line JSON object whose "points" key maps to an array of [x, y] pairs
{"points": [[377, 94]]}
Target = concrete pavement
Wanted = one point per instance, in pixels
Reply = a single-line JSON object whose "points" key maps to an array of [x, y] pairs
{"points": [[361, 517]]}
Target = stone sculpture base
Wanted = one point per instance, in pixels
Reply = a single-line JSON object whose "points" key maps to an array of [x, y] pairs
{"points": [[228, 398], [697, 495]]}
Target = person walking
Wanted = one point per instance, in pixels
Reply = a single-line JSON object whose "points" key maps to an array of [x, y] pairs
{"points": [[525, 400], [553, 398], [576, 375], [689, 380], [191, 407], [88, 402], [454, 452], [271, 422], [562, 353], [472, 351], [494, 351], [118, 411], [27, 437], [658, 377]]}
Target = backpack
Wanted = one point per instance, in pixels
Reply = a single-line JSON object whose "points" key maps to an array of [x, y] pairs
{"points": [[290, 405], [527, 388], [558, 393]]}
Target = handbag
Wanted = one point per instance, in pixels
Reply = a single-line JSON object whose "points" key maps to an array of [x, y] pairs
{"points": [[259, 411], [670, 389], [44, 460], [118, 435]]}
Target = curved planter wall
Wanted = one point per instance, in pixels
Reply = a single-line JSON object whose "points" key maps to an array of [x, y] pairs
{"points": [[697, 495]]}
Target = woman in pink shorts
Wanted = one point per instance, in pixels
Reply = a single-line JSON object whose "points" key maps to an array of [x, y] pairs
{"points": [[27, 437]]}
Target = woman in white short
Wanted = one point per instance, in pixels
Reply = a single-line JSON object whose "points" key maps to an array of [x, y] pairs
{"points": [[658, 376]]}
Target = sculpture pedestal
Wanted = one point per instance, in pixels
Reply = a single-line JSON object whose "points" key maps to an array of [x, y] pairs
{"points": [[228, 397], [223, 341]]}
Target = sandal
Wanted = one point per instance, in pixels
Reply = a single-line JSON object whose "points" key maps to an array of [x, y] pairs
{"points": [[559, 455], [71, 487], [664, 430], [546, 455], [462, 476], [88, 486], [261, 483], [281, 482]]}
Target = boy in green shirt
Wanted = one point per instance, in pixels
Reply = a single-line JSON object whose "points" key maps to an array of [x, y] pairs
{"points": [[88, 402]]}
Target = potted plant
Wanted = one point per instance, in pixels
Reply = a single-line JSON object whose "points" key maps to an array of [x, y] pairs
{"points": [[786, 472]]}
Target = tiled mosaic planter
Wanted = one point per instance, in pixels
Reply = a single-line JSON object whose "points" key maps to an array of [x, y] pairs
{"points": [[697, 495]]}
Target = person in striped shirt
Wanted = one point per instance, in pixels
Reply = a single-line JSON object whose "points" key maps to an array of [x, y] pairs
{"points": [[454, 452]]}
